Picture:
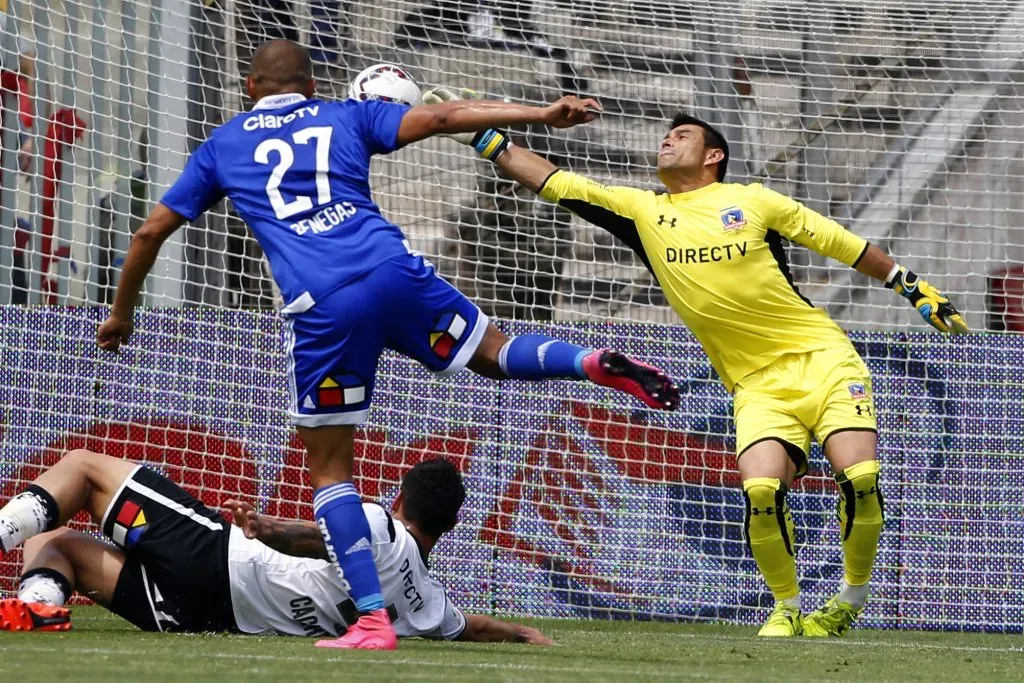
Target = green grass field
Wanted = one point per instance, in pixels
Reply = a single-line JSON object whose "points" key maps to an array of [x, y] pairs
{"points": [[104, 648]]}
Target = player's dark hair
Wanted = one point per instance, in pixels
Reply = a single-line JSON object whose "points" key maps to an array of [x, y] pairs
{"points": [[281, 65], [712, 138], [432, 493]]}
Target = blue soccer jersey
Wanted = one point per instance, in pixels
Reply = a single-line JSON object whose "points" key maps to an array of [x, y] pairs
{"points": [[297, 171]]}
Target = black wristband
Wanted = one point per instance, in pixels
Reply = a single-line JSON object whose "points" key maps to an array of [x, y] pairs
{"points": [[491, 143], [905, 284]]}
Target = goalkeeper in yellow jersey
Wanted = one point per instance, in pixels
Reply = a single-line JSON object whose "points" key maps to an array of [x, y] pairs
{"points": [[716, 249]]}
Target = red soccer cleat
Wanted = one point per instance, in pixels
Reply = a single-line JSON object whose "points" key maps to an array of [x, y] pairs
{"points": [[373, 631], [649, 384], [17, 615]]}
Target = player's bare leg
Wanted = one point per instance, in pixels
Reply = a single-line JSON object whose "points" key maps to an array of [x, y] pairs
{"points": [[91, 565], [853, 456], [60, 560], [767, 472], [338, 511], [537, 357], [80, 480], [57, 563], [329, 453]]}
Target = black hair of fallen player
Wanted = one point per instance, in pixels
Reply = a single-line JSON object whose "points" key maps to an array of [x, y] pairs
{"points": [[712, 139], [432, 494]]}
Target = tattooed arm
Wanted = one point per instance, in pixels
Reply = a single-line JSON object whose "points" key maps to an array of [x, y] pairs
{"points": [[288, 536]]}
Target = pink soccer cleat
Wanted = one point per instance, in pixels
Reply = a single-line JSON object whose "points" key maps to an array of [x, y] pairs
{"points": [[373, 631], [649, 384], [18, 615]]}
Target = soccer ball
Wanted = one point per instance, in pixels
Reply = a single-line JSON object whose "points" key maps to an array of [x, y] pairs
{"points": [[385, 82]]}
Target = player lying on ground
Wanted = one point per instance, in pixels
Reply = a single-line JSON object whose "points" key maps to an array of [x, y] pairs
{"points": [[716, 249], [297, 171], [176, 565]]}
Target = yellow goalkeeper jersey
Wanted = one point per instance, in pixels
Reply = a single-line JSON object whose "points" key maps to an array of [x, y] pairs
{"points": [[717, 253]]}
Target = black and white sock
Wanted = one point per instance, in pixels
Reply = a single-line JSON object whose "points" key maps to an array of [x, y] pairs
{"points": [[27, 514], [44, 585]]}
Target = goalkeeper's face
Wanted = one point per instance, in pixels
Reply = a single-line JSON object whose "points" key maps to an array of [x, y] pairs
{"points": [[682, 150]]}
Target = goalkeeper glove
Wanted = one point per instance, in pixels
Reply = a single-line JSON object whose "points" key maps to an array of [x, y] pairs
{"points": [[934, 306], [490, 143]]}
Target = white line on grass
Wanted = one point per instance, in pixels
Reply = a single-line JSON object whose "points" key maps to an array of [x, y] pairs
{"points": [[69, 648], [833, 642], [604, 668]]}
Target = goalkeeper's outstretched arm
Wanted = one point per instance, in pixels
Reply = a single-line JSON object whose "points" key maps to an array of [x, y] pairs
{"points": [[800, 224], [525, 167], [608, 207], [934, 306]]}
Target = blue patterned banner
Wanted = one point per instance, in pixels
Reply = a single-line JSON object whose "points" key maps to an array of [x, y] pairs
{"points": [[581, 504]]}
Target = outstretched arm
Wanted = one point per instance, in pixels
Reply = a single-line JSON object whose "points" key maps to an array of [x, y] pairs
{"points": [[484, 629], [289, 536], [875, 263], [525, 167], [934, 306], [467, 116], [796, 222], [609, 208]]}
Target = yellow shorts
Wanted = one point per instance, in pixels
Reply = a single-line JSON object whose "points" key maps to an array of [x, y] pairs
{"points": [[819, 392]]}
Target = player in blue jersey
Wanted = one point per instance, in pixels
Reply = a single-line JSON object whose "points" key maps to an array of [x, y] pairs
{"points": [[297, 171]]}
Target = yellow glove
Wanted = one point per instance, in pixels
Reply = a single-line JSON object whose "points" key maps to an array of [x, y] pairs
{"points": [[934, 306]]}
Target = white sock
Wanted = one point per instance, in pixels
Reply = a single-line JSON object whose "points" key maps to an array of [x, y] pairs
{"points": [[855, 595], [42, 588], [26, 515], [793, 602]]}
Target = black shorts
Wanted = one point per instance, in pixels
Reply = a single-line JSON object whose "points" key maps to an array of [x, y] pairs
{"points": [[175, 575]]}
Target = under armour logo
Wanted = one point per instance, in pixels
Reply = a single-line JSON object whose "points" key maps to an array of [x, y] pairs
{"points": [[861, 495], [863, 409], [766, 511], [671, 222]]}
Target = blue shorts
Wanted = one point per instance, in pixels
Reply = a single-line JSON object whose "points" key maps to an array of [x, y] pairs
{"points": [[332, 348]]}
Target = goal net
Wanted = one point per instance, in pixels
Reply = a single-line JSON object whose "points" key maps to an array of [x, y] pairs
{"points": [[903, 120]]}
